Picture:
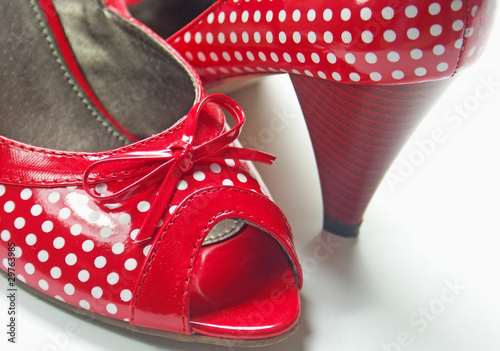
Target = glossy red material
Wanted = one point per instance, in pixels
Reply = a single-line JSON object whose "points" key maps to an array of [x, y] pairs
{"points": [[362, 45], [121, 233]]}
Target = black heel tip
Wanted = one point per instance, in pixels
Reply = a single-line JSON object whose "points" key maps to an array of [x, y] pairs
{"points": [[347, 231]]}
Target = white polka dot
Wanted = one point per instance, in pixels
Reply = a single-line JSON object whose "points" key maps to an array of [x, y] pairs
{"points": [[443, 66], [367, 36], [43, 256], [296, 15], [350, 58], [354, 77], [26, 194], [346, 37], [436, 30], [100, 262], [328, 37], [420, 71], [274, 57], [300, 57], [69, 289], [262, 56], [331, 58], [29, 268], [388, 13], [47, 226], [390, 35], [2, 190], [214, 57], [458, 25], [187, 37], [411, 11], [133, 234], [76, 229], [189, 56], [311, 15], [226, 56], [54, 197], [393, 56], [371, 58], [146, 250], [242, 178], [55, 272], [94, 216], [375, 76], [111, 308], [269, 16], [31, 239], [36, 210], [97, 292], [438, 50], [18, 252], [227, 182], [5, 235], [434, 8], [9, 206], [413, 33], [345, 14], [21, 278], [126, 295], [182, 185], [366, 13], [398, 74], [311, 37], [70, 259], [113, 278], [230, 162], [43, 285], [88, 245], [222, 17], [210, 18], [257, 16], [315, 57], [256, 37], [250, 56], [471, 51], [328, 15], [143, 206], [58, 243], [57, 297], [101, 188], [201, 56], [19, 222], [118, 248], [84, 304], [282, 37], [83, 275], [456, 5], [282, 16], [416, 54], [269, 37], [469, 32], [336, 76], [64, 213], [130, 264], [296, 37], [287, 57], [474, 10]]}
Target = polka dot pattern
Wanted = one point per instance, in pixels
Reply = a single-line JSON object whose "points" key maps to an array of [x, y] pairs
{"points": [[383, 27]]}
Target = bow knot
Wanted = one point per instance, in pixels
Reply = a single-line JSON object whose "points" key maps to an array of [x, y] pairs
{"points": [[168, 166]]}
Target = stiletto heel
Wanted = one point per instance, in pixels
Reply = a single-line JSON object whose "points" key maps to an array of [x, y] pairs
{"points": [[356, 132]]}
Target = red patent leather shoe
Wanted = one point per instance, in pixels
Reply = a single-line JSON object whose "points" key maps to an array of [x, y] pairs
{"points": [[171, 234], [365, 72]]}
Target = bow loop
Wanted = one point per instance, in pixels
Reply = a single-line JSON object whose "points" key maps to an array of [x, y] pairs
{"points": [[163, 169]]}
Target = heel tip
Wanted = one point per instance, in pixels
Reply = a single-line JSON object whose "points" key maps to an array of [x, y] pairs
{"points": [[341, 229]]}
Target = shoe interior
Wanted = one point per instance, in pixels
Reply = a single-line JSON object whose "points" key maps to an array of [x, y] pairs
{"points": [[138, 82], [166, 17]]}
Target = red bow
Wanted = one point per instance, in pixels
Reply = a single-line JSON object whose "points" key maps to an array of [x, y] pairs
{"points": [[175, 161]]}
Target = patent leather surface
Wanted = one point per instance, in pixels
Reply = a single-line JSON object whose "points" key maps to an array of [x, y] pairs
{"points": [[121, 233], [366, 42]]}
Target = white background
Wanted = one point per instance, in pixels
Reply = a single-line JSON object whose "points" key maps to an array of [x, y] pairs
{"points": [[436, 229]]}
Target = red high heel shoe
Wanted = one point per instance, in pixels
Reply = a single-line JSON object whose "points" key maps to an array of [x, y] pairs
{"points": [[364, 72], [171, 234]]}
